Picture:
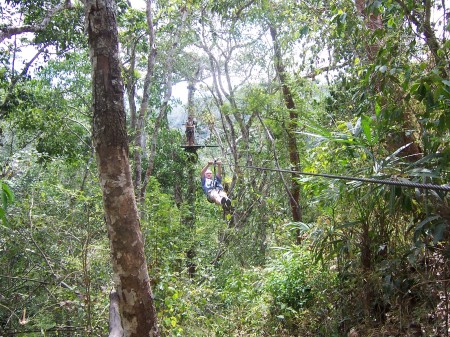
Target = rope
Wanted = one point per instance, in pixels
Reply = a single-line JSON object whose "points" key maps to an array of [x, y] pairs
{"points": [[403, 183], [214, 175]]}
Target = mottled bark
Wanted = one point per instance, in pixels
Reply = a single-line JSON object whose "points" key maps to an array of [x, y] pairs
{"points": [[115, 325], [188, 217], [136, 307]]}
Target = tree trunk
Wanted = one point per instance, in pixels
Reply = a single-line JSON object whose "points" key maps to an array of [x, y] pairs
{"points": [[294, 157], [161, 120], [422, 20], [188, 217], [115, 325], [136, 307], [372, 22], [143, 110]]}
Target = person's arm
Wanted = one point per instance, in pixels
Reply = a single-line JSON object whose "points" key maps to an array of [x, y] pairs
{"points": [[219, 169], [202, 173]]}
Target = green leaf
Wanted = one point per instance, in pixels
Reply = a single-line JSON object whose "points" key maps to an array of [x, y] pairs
{"points": [[425, 221], [8, 193], [175, 295], [349, 224], [421, 91], [423, 172], [377, 109], [304, 31], [365, 124], [7, 198], [438, 232]]}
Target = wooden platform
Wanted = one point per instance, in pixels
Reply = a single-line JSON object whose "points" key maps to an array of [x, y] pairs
{"points": [[194, 148]]}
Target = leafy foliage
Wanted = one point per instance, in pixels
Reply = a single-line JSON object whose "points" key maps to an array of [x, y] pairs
{"points": [[372, 94], [7, 198]]}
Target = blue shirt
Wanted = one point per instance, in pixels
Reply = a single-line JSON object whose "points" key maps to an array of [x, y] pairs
{"points": [[208, 184]]}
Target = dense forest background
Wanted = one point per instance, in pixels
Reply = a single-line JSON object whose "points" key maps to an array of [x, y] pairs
{"points": [[341, 87]]}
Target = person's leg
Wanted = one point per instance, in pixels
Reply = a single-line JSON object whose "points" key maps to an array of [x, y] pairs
{"points": [[215, 196], [225, 201]]}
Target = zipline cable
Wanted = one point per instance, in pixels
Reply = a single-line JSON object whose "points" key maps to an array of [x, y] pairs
{"points": [[403, 183]]}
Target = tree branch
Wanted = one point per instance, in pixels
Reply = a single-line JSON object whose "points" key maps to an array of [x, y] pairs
{"points": [[8, 32], [16, 78], [115, 325]]}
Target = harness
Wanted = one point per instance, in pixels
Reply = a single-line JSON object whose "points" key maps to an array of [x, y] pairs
{"points": [[214, 175]]}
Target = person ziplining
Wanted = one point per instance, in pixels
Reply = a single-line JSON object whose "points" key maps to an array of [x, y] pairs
{"points": [[212, 185]]}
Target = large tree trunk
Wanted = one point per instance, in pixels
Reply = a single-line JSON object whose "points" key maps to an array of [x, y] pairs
{"points": [[136, 307], [294, 158]]}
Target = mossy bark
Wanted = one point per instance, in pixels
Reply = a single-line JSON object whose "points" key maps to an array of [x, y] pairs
{"points": [[136, 307]]}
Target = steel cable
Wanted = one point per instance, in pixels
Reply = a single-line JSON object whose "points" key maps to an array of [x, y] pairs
{"points": [[403, 183]]}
